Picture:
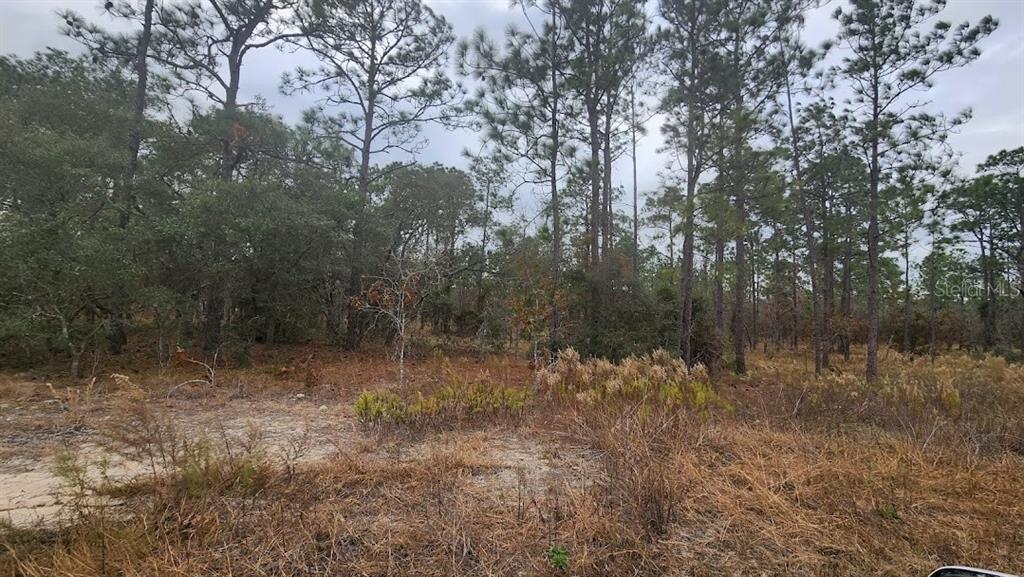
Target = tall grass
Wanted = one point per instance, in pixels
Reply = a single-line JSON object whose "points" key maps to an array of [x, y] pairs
{"points": [[975, 404]]}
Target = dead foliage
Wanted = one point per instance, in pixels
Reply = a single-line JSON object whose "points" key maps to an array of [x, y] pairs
{"points": [[640, 472]]}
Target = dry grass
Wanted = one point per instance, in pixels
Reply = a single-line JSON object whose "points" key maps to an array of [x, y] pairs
{"points": [[973, 404], [748, 498], [631, 469]]}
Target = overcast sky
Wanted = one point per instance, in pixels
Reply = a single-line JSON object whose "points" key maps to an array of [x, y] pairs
{"points": [[993, 86]]}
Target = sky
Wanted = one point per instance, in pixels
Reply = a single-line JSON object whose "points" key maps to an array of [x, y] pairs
{"points": [[993, 86]]}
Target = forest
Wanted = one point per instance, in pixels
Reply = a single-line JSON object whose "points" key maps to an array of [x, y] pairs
{"points": [[805, 206], [818, 276]]}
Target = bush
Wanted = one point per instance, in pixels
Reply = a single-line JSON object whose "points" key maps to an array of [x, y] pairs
{"points": [[450, 405], [1011, 355], [206, 472], [657, 378], [618, 318], [373, 407]]}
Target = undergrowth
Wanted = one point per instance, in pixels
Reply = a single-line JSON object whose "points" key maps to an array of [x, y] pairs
{"points": [[657, 378], [976, 404], [448, 406], [648, 469]]}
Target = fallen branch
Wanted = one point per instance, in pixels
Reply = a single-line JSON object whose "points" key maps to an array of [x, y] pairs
{"points": [[211, 374]]}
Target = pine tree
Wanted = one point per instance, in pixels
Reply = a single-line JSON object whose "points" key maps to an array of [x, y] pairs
{"points": [[753, 74], [204, 51], [522, 106], [890, 58], [609, 39], [122, 47], [387, 60], [691, 103]]}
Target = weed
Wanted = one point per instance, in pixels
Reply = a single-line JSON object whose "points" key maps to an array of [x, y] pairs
{"points": [[888, 512], [13, 537], [644, 471], [314, 373], [636, 447], [557, 557], [76, 402], [72, 472]]}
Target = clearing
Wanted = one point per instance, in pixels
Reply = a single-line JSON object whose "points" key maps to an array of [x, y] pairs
{"points": [[315, 462]]}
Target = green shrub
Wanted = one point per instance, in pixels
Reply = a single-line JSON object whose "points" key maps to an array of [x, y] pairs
{"points": [[451, 404], [372, 407]]}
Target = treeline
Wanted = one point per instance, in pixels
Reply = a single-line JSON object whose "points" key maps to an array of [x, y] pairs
{"points": [[810, 200]]}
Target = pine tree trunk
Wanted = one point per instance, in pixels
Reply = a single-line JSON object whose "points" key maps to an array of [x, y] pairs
{"points": [[739, 185], [753, 334], [828, 278], [606, 188], [353, 321], [873, 233], [794, 303], [817, 319], [481, 298], [671, 241], [740, 300], [932, 331], [846, 301], [692, 174], [720, 288], [686, 277], [556, 214], [118, 337], [636, 209], [214, 304], [776, 306], [595, 185], [906, 293], [986, 317]]}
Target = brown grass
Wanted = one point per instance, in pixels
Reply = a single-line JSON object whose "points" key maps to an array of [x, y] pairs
{"points": [[973, 404], [777, 474], [797, 503]]}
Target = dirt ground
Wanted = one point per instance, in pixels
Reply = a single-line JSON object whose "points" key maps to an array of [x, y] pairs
{"points": [[274, 400], [32, 492]]}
